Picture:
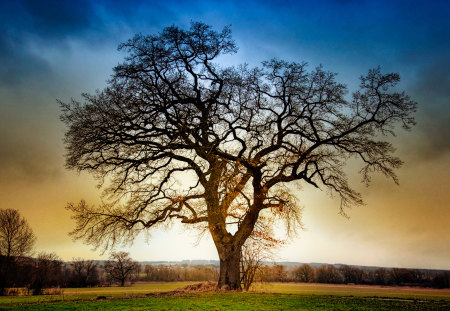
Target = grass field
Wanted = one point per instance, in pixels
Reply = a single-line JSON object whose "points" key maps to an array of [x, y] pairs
{"points": [[278, 296], [91, 293], [414, 293]]}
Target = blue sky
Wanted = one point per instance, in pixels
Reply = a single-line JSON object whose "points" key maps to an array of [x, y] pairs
{"points": [[58, 49]]}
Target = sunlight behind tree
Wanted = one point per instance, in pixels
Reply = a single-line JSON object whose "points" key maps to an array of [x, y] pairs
{"points": [[244, 133]]}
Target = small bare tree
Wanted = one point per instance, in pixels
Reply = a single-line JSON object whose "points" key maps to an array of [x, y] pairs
{"points": [[85, 272], [16, 239], [253, 255], [120, 267], [259, 247]]}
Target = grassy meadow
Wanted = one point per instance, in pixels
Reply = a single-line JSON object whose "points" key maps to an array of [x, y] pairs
{"points": [[273, 296]]}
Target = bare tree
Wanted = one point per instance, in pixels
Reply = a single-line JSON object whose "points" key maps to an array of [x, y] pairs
{"points": [[120, 267], [259, 247], [304, 273], [382, 276], [16, 239], [47, 271], [16, 236], [85, 272], [329, 274], [351, 274], [235, 137], [253, 255]]}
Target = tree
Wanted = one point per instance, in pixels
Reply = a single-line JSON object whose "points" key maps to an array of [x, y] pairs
{"points": [[46, 272], [381, 276], [441, 280], [304, 273], [259, 247], [401, 276], [120, 267], [16, 239], [254, 252], [329, 274], [279, 273], [84, 272], [353, 275], [236, 137]]}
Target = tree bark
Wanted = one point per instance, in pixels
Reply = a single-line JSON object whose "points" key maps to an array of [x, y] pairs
{"points": [[229, 276]]}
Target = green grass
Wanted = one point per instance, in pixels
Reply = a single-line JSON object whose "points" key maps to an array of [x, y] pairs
{"points": [[91, 293], [276, 296], [354, 290], [244, 301]]}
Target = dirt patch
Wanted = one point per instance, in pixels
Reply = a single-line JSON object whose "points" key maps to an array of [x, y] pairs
{"points": [[203, 287], [200, 287]]}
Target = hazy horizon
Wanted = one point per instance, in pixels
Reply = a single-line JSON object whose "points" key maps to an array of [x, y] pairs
{"points": [[51, 51]]}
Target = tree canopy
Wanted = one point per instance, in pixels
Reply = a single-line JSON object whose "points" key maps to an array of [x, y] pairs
{"points": [[16, 236], [121, 267], [175, 135]]}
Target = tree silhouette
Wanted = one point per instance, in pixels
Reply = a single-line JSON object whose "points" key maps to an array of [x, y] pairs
{"points": [[16, 239], [176, 136], [85, 272], [120, 267], [46, 272]]}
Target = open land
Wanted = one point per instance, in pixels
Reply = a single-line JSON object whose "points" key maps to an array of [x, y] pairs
{"points": [[270, 296]]}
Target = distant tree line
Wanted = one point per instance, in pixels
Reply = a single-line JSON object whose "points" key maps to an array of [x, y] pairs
{"points": [[344, 274], [47, 271], [19, 272], [184, 272]]}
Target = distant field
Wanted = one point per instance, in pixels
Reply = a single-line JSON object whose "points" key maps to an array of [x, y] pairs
{"points": [[275, 296], [354, 290]]}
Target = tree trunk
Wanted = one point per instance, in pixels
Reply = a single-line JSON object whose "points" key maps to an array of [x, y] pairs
{"points": [[229, 277], [4, 273]]}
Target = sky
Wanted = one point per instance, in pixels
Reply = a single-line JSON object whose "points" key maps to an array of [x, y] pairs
{"points": [[53, 50]]}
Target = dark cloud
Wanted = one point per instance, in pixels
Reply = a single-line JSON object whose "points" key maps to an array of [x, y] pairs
{"points": [[53, 21], [433, 83], [30, 24], [140, 14], [17, 63], [432, 91], [48, 20]]}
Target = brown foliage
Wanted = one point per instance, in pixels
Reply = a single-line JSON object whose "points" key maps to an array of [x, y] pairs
{"points": [[305, 273]]}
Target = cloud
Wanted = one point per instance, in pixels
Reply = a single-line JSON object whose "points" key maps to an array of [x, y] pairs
{"points": [[18, 64], [433, 95], [27, 159], [27, 24], [30, 28], [49, 19]]}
